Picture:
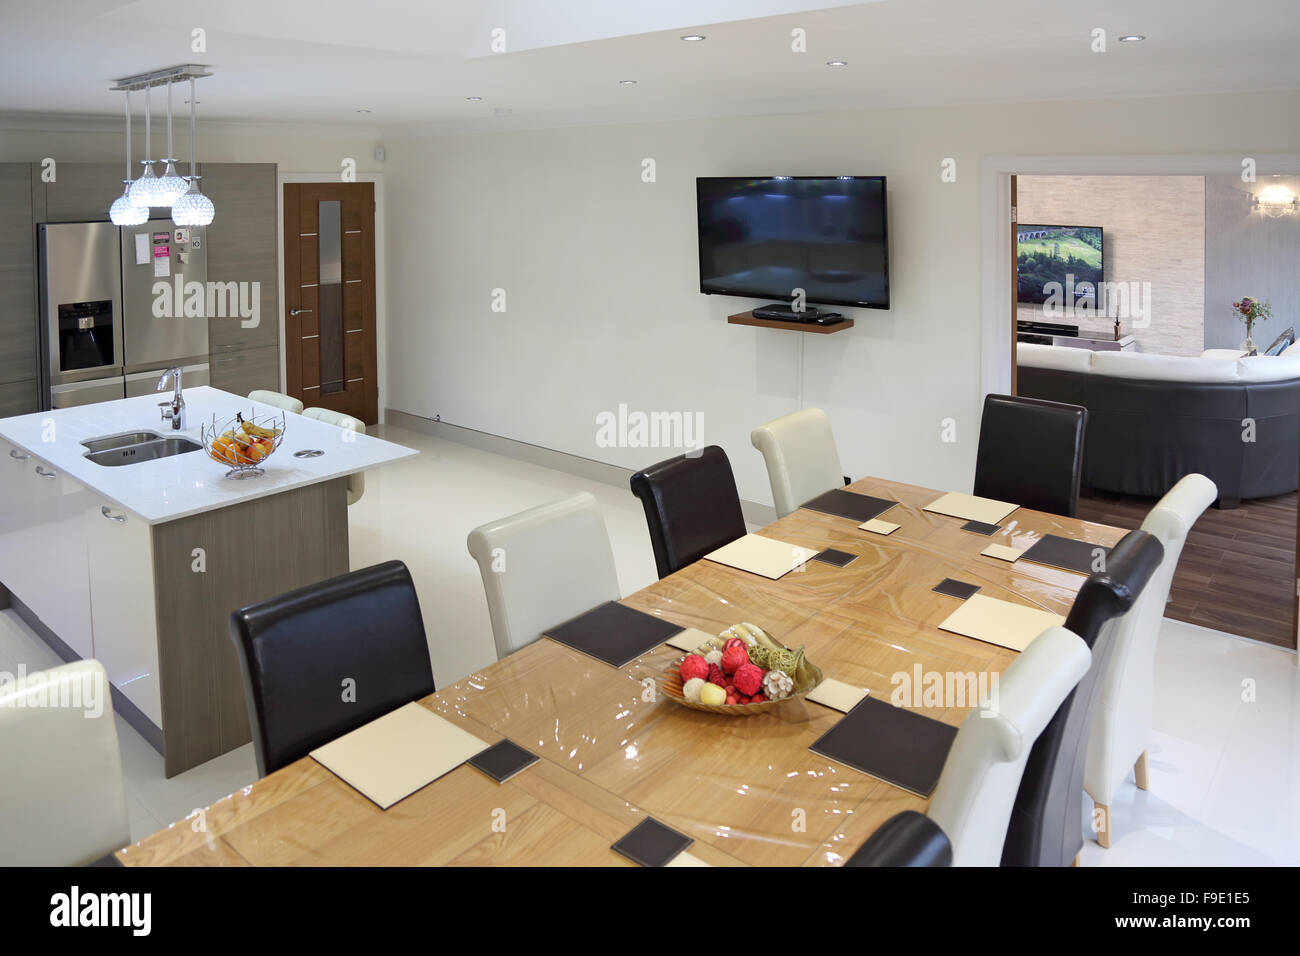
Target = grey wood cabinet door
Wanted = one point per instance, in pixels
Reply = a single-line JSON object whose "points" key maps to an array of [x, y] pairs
{"points": [[242, 371], [81, 192], [18, 330], [242, 247]]}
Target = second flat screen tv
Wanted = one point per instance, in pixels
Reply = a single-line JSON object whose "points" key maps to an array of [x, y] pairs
{"points": [[1061, 263], [765, 238]]}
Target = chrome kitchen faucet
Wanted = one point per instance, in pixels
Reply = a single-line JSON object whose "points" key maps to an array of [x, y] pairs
{"points": [[173, 411]]}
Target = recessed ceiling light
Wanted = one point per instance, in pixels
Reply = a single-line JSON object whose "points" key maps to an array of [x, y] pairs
{"points": [[1132, 38], [627, 82], [693, 37], [837, 62], [474, 99]]}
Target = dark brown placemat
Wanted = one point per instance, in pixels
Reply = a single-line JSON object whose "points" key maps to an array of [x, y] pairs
{"points": [[846, 504], [613, 633], [896, 745], [650, 843], [503, 760], [1068, 554]]}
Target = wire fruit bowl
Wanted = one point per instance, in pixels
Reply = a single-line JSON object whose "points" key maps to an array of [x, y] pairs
{"points": [[243, 442]]}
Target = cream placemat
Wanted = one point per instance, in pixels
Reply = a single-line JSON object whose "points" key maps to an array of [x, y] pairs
{"points": [[396, 754], [1002, 552], [837, 695], [956, 505], [689, 639], [999, 622], [877, 526], [686, 859], [760, 555]]}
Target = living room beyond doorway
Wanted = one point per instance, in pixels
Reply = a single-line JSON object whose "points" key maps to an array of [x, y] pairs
{"points": [[1130, 294]]}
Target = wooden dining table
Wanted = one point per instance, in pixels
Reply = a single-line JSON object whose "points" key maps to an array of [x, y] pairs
{"points": [[614, 750]]}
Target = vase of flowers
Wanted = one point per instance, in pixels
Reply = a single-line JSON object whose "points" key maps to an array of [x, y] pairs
{"points": [[1250, 310]]}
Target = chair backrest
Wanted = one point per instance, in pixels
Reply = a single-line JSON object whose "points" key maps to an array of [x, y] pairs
{"points": [[543, 566], [972, 800], [1031, 453], [356, 481], [1046, 827], [1121, 728], [691, 507], [325, 659], [908, 838], [62, 802], [802, 462], [278, 399]]}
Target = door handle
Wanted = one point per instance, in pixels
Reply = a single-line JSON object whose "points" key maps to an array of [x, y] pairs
{"points": [[46, 474], [107, 513], [298, 311], [14, 453]]}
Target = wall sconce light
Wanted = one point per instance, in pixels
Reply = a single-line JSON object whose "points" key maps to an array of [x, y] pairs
{"points": [[1276, 201]]}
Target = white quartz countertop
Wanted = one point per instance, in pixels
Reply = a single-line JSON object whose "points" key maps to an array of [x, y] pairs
{"points": [[191, 483]]}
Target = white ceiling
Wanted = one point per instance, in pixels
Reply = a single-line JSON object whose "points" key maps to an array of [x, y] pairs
{"points": [[416, 61]]}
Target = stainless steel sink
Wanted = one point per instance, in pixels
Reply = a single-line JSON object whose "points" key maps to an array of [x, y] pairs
{"points": [[119, 441], [152, 450]]}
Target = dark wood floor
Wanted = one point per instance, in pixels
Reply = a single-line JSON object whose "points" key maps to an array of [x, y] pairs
{"points": [[1237, 571]]}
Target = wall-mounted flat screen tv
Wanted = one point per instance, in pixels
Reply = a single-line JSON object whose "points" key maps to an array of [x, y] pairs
{"points": [[1062, 263], [766, 238]]}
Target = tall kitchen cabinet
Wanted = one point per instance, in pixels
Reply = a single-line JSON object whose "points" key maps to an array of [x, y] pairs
{"points": [[242, 248], [18, 328]]}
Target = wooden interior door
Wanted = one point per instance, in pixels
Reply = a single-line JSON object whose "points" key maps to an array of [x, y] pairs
{"points": [[329, 297]]}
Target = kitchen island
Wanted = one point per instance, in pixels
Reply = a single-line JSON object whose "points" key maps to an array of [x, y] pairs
{"points": [[139, 565]]}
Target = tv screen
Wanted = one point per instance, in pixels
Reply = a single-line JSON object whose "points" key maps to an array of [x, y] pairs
{"points": [[766, 238], [1062, 263]]}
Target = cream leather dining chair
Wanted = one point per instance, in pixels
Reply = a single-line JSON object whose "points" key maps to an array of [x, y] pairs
{"points": [[802, 462], [278, 399], [543, 566], [1121, 727], [62, 802], [973, 799], [356, 482]]}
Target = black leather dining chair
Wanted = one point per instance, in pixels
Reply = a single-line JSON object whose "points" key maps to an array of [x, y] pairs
{"points": [[1031, 453], [1046, 827], [327, 658], [691, 506], [908, 838]]}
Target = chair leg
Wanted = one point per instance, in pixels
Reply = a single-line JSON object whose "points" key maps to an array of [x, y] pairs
{"points": [[1101, 821], [1140, 772], [1075, 861]]}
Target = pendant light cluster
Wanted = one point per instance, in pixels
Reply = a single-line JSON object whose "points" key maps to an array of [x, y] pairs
{"points": [[189, 207]]}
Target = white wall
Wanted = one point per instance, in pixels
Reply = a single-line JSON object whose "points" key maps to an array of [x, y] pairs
{"points": [[600, 273]]}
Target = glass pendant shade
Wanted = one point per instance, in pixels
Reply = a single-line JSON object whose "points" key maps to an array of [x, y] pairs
{"points": [[124, 212], [144, 191], [170, 187], [193, 208]]}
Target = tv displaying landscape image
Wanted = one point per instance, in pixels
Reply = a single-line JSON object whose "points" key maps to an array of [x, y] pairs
{"points": [[1069, 256]]}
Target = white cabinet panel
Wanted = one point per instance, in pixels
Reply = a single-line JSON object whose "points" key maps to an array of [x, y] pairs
{"points": [[119, 548], [15, 527], [42, 548]]}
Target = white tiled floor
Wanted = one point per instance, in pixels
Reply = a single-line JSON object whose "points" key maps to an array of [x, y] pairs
{"points": [[1224, 783]]}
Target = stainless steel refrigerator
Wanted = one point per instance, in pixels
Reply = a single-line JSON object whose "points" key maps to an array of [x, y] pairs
{"points": [[119, 304]]}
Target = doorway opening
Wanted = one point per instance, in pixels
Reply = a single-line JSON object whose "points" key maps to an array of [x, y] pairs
{"points": [[1136, 278]]}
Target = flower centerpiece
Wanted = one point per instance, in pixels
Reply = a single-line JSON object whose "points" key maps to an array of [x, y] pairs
{"points": [[1250, 310]]}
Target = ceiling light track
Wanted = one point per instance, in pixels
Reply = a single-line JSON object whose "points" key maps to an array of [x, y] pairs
{"points": [[164, 77]]}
